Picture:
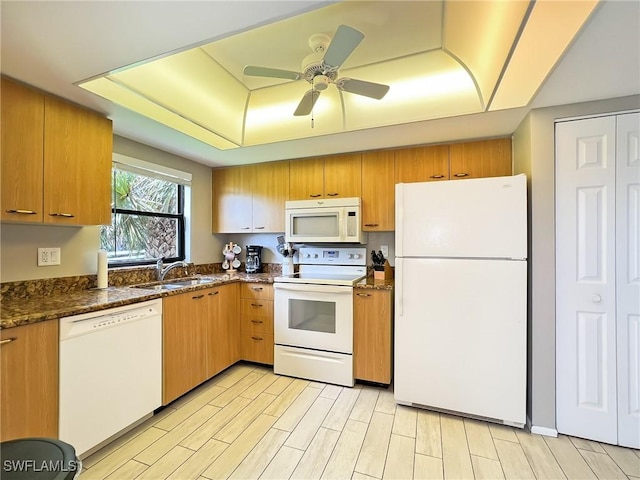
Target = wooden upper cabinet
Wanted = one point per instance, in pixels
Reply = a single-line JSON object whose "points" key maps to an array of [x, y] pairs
{"points": [[343, 176], [306, 179], [232, 199], [270, 191], [422, 164], [22, 149], [78, 148], [378, 191], [485, 158]]}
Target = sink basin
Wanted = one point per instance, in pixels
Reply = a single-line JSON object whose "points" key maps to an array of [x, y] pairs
{"points": [[177, 283], [162, 286]]}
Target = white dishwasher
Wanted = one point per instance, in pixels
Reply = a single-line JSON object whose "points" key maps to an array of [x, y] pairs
{"points": [[110, 372]]}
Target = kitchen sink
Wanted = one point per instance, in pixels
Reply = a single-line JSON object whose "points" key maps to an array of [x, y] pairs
{"points": [[176, 284]]}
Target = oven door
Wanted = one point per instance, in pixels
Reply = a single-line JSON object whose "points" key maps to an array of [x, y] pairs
{"points": [[314, 316]]}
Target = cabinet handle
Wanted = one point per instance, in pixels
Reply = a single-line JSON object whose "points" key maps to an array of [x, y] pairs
{"points": [[364, 294], [214, 293], [439, 176], [24, 212], [65, 215], [256, 305], [198, 297], [315, 195], [8, 340], [335, 194], [461, 175], [257, 338], [245, 228], [370, 224], [256, 288], [256, 321], [258, 228]]}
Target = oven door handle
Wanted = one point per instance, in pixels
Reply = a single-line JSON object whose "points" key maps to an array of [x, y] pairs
{"points": [[314, 288]]}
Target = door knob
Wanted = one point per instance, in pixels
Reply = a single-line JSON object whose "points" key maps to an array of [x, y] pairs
{"points": [[596, 298]]}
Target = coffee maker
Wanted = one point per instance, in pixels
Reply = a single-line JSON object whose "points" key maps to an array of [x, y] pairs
{"points": [[253, 262]]}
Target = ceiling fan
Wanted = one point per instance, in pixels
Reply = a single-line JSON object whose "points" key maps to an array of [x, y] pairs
{"points": [[320, 68]]}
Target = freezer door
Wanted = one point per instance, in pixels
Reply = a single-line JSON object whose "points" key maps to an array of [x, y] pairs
{"points": [[483, 217], [460, 336]]}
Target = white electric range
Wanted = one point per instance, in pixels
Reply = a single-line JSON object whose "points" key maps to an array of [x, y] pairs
{"points": [[314, 315]]}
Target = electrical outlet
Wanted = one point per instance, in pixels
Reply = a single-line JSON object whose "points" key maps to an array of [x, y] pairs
{"points": [[48, 256], [385, 251]]}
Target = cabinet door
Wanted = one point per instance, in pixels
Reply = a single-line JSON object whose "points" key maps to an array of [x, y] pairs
{"points": [[232, 199], [422, 164], [223, 328], [78, 146], [343, 176], [270, 191], [486, 158], [372, 335], [29, 381], [378, 191], [306, 179], [22, 150], [184, 343]]}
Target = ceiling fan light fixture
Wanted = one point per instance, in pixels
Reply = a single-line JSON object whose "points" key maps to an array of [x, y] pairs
{"points": [[320, 82]]}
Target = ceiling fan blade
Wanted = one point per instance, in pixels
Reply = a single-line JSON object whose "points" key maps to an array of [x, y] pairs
{"points": [[360, 87], [306, 104], [271, 72], [344, 42]]}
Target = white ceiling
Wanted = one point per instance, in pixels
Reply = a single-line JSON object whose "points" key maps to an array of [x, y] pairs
{"points": [[53, 45]]}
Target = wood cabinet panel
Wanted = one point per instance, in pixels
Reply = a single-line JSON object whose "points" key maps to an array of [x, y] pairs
{"points": [[232, 199], [21, 167], [258, 291], [78, 148], [306, 178], [257, 315], [29, 381], [184, 343], [422, 164], [223, 328], [372, 335], [256, 343], [485, 158], [378, 191], [270, 191], [257, 347], [342, 176]]}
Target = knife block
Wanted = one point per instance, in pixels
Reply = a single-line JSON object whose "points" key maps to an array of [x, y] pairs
{"points": [[385, 274]]}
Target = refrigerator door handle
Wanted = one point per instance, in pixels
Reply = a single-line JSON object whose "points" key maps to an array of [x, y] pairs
{"points": [[399, 285], [399, 218]]}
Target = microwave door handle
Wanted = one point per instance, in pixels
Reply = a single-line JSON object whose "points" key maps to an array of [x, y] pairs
{"points": [[342, 212]]}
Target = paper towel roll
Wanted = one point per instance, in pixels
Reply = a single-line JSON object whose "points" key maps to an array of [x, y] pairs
{"points": [[102, 269]]}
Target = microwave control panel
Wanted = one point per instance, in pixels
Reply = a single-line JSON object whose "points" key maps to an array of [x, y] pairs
{"points": [[333, 255]]}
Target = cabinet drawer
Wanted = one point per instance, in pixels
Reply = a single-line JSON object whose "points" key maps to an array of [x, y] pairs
{"points": [[261, 309], [256, 324], [257, 291], [257, 347]]}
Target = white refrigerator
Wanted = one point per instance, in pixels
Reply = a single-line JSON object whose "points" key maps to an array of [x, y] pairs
{"points": [[461, 297]]}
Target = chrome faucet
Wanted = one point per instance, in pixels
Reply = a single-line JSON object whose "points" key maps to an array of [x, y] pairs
{"points": [[161, 271]]}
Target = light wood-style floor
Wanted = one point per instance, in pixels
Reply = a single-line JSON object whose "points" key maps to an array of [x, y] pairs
{"points": [[249, 423]]}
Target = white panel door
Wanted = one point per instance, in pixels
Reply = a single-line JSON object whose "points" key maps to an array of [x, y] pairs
{"points": [[586, 399], [628, 277]]}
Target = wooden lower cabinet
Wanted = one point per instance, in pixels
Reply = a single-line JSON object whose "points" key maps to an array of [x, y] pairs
{"points": [[372, 335], [223, 328], [29, 381], [256, 344]]}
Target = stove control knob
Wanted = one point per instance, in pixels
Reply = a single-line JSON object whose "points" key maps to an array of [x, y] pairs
{"points": [[357, 255], [315, 255], [307, 255]]}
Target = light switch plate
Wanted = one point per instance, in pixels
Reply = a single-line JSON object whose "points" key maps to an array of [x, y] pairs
{"points": [[48, 256], [385, 251]]}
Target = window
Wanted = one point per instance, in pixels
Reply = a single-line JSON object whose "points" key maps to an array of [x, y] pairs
{"points": [[148, 220]]}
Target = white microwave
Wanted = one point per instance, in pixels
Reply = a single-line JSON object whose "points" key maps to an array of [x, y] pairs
{"points": [[331, 220]]}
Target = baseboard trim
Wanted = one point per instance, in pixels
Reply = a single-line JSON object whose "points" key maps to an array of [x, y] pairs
{"points": [[544, 431]]}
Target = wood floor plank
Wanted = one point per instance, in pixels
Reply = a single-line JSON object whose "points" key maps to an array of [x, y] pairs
{"points": [[260, 386], [542, 461], [235, 390], [513, 460], [503, 432], [362, 476], [160, 447], [405, 421], [479, 439], [343, 459], [233, 375], [315, 458], [366, 402], [229, 460], [298, 408], [244, 418], [603, 465], [190, 407], [455, 451], [331, 391], [625, 458], [386, 403], [200, 460], [427, 468], [428, 434], [584, 444], [207, 430], [255, 463], [572, 463], [167, 464], [131, 469], [308, 426], [375, 446], [400, 457], [286, 398], [283, 464], [122, 455], [486, 468], [277, 387], [341, 409]]}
